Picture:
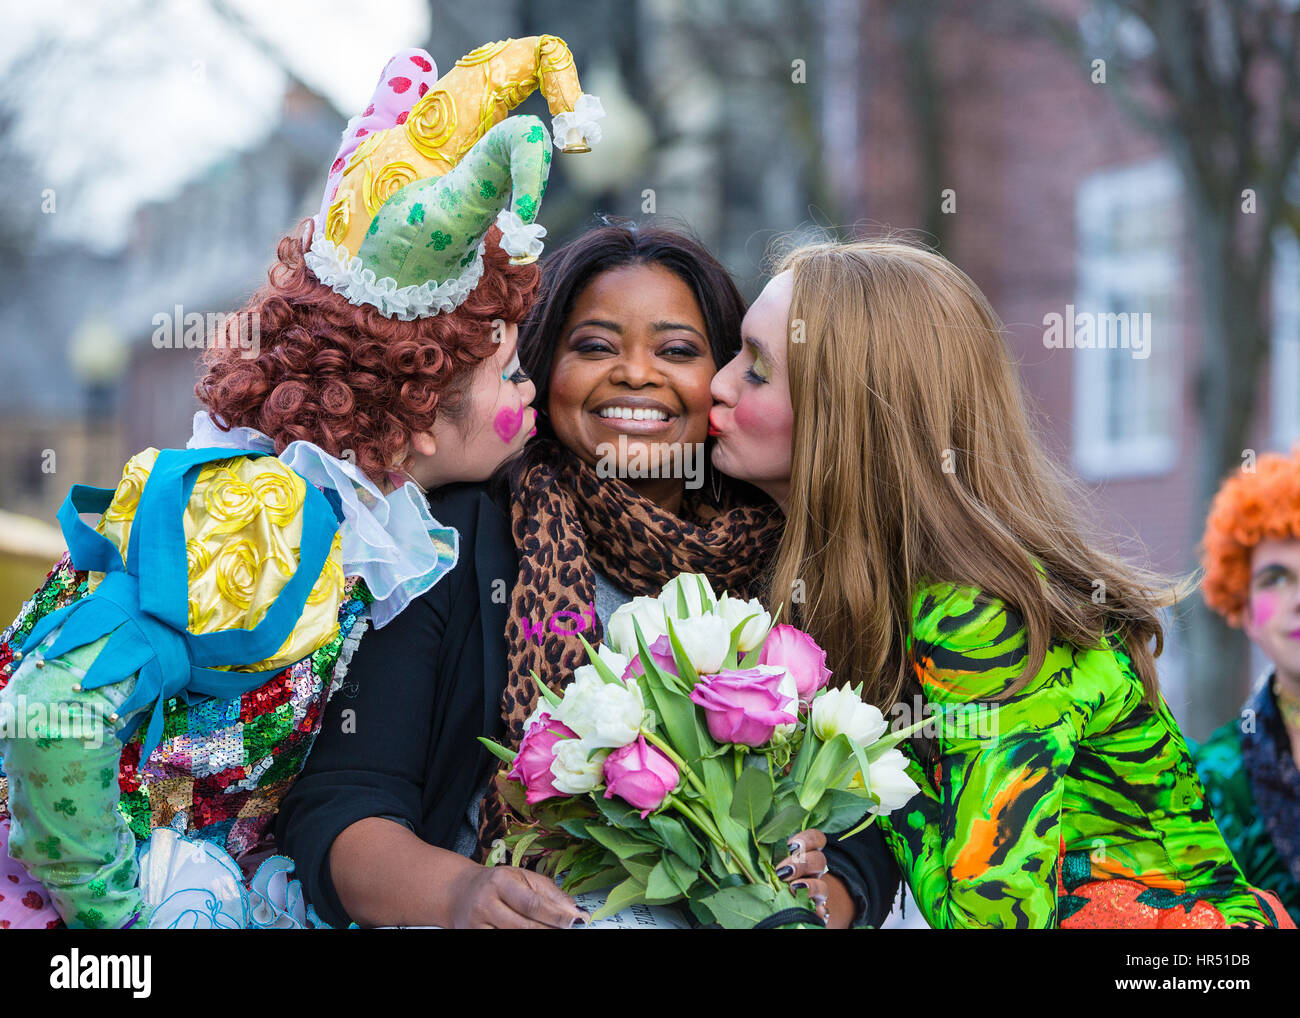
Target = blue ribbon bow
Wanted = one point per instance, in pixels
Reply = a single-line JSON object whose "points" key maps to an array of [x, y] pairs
{"points": [[149, 620]]}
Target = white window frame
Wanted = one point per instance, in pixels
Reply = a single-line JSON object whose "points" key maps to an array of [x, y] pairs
{"points": [[1100, 198]]}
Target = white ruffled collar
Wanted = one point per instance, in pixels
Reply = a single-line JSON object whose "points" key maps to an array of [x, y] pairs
{"points": [[391, 541]]}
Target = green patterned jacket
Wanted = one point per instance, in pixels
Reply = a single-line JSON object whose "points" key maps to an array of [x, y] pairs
{"points": [[1027, 802]]}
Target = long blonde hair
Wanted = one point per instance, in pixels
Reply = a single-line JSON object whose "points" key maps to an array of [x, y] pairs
{"points": [[914, 460]]}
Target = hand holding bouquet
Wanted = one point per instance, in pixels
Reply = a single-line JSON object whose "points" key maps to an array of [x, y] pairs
{"points": [[697, 739]]}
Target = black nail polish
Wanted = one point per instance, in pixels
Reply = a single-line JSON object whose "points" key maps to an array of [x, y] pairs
{"points": [[579, 922], [784, 872]]}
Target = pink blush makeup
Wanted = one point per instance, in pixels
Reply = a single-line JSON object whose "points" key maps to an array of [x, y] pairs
{"points": [[1263, 606], [508, 423]]}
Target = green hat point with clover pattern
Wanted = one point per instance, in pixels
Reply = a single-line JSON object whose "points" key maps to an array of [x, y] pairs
{"points": [[433, 229]]}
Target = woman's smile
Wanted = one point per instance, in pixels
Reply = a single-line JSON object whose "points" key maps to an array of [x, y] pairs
{"points": [[635, 415]]}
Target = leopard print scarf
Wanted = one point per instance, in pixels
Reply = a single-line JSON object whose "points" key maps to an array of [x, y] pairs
{"points": [[567, 522]]}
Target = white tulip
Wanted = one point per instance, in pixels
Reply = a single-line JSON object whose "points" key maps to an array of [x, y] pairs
{"points": [[734, 610], [618, 662], [789, 689], [689, 584], [705, 641], [621, 634], [889, 780], [842, 712], [606, 714], [575, 774]]}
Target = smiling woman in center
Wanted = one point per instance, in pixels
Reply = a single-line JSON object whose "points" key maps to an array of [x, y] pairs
{"points": [[630, 379]]}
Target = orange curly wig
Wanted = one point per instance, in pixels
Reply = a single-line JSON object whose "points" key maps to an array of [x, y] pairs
{"points": [[1249, 508]]}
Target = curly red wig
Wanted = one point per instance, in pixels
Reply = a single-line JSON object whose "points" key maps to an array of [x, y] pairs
{"points": [[349, 379], [1249, 508]]}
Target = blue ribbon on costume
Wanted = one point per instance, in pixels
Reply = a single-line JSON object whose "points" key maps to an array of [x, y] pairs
{"points": [[149, 621]]}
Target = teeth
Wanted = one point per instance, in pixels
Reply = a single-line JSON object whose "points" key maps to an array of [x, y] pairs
{"points": [[629, 414]]}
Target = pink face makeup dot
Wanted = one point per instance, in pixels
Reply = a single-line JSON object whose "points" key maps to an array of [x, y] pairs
{"points": [[508, 423]]}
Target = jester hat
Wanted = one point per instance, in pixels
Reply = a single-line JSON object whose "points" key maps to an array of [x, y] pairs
{"points": [[432, 162]]}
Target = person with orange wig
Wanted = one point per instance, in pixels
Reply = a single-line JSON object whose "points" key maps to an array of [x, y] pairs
{"points": [[1251, 554]]}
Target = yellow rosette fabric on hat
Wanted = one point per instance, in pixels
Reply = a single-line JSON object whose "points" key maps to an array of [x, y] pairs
{"points": [[243, 531]]}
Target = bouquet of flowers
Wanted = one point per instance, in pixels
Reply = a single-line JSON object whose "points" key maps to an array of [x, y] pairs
{"points": [[677, 763]]}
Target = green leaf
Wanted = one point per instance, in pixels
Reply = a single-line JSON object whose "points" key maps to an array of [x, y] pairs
{"points": [[784, 823], [704, 595], [752, 798], [672, 707], [605, 877], [683, 609], [500, 752], [552, 697], [660, 888], [562, 860], [878, 748], [592, 860], [621, 815], [861, 827], [639, 868], [677, 838], [630, 892], [602, 669], [825, 765], [621, 843], [844, 809], [522, 847], [685, 670], [701, 912], [578, 828], [681, 874], [650, 667], [739, 908]]}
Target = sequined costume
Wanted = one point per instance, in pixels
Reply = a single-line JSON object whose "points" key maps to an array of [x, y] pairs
{"points": [[1071, 803], [1253, 785], [254, 565]]}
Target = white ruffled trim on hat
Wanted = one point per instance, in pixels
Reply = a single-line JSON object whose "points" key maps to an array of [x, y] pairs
{"points": [[391, 541], [586, 111], [517, 237], [346, 275]]}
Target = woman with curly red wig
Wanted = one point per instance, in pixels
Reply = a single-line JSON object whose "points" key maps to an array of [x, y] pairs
{"points": [[197, 631], [1251, 554], [355, 382]]}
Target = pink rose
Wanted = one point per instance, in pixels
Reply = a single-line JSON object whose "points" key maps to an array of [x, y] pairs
{"points": [[744, 707], [640, 775], [795, 651], [662, 653], [532, 767]]}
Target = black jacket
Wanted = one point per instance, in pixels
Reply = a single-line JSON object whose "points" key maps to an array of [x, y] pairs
{"points": [[399, 738]]}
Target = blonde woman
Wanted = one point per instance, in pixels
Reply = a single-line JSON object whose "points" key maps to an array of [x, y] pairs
{"points": [[933, 548]]}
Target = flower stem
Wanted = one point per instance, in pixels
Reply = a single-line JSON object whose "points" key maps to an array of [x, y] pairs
{"points": [[729, 854]]}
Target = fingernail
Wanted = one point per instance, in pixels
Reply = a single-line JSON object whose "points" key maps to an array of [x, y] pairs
{"points": [[579, 922], [784, 872], [799, 883], [794, 845]]}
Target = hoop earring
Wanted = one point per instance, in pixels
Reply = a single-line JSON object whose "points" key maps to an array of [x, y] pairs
{"points": [[715, 483]]}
